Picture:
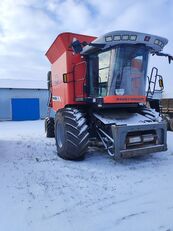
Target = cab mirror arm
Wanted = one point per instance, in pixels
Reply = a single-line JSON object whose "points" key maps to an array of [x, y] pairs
{"points": [[170, 57]]}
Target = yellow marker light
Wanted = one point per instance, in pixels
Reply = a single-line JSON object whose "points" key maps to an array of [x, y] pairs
{"points": [[65, 77]]}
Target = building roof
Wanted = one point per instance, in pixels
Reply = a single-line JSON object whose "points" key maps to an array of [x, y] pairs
{"points": [[23, 84]]}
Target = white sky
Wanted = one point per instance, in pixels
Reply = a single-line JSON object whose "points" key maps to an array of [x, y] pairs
{"points": [[28, 27]]}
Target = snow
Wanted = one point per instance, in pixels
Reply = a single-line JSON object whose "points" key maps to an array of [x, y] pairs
{"points": [[40, 191]]}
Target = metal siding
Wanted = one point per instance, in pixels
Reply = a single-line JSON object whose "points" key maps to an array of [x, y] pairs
{"points": [[5, 105], [7, 94], [43, 96], [25, 109]]}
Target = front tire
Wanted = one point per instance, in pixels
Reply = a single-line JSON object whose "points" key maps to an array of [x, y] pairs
{"points": [[49, 127], [71, 134]]}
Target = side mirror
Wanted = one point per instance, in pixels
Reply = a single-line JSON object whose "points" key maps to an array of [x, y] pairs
{"points": [[49, 80], [76, 46]]}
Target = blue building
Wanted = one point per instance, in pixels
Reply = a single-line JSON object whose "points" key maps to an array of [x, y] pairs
{"points": [[23, 99]]}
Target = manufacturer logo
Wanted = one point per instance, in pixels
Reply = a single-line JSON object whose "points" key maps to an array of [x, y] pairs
{"points": [[56, 98]]}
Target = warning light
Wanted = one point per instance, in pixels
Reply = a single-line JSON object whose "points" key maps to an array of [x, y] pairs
{"points": [[147, 38]]}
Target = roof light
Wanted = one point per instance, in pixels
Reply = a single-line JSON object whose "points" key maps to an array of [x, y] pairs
{"points": [[158, 42], [133, 37], [125, 37], [162, 45], [117, 37], [108, 38]]}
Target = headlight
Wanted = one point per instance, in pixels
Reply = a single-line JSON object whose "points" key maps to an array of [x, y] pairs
{"points": [[148, 138], [135, 139]]}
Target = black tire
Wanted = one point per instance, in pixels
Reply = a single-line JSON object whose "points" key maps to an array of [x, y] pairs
{"points": [[71, 134], [49, 127], [171, 124], [167, 120]]}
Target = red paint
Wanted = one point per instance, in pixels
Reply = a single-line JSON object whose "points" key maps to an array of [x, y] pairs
{"points": [[124, 99], [63, 61]]}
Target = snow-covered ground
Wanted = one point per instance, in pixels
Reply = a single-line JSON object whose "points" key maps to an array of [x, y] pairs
{"points": [[41, 192]]}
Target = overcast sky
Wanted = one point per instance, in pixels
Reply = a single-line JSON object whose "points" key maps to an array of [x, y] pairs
{"points": [[28, 27]]}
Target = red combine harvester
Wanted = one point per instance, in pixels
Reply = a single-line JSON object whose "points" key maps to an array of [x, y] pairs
{"points": [[98, 91]]}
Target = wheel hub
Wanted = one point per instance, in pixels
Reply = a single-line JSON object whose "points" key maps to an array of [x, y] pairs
{"points": [[60, 135]]}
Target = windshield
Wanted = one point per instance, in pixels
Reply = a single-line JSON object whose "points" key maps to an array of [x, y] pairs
{"points": [[119, 71]]}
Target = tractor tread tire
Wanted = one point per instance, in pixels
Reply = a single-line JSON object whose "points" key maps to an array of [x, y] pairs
{"points": [[74, 143], [49, 127], [171, 124], [167, 120]]}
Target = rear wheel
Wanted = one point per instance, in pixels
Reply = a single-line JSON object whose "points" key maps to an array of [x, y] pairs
{"points": [[171, 124], [167, 120], [71, 134], [49, 127]]}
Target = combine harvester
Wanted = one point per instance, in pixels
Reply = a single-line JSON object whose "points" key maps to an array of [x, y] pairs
{"points": [[97, 91]]}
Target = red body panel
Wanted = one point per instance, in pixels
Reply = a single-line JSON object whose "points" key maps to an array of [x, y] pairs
{"points": [[63, 60], [124, 99]]}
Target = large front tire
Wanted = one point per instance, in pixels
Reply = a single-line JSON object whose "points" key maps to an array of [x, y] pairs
{"points": [[71, 134]]}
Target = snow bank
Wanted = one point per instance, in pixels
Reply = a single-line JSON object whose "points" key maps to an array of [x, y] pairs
{"points": [[40, 191]]}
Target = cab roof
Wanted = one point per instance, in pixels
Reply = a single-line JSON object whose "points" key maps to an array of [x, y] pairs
{"points": [[111, 39]]}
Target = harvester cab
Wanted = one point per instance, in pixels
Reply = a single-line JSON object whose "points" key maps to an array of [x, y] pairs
{"points": [[119, 61], [98, 90]]}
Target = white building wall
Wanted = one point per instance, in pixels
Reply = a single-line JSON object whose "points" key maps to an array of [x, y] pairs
{"points": [[7, 94]]}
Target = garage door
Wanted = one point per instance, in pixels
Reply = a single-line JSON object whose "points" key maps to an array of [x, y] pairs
{"points": [[25, 109]]}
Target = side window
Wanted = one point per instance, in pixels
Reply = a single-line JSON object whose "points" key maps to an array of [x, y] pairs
{"points": [[104, 64]]}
